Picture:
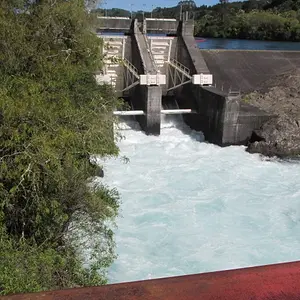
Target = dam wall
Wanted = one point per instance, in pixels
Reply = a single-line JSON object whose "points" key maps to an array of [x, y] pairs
{"points": [[247, 70], [160, 26], [113, 24], [187, 52], [217, 112], [171, 64]]}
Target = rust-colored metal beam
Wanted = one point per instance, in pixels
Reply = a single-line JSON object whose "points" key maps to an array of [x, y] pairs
{"points": [[271, 282]]}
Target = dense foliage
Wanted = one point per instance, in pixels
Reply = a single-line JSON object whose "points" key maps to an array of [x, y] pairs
{"points": [[53, 117], [254, 24], [261, 19]]}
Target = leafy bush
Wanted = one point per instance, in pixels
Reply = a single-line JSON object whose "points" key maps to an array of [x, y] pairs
{"points": [[53, 117]]}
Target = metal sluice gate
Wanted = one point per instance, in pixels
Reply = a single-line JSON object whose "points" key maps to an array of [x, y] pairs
{"points": [[163, 111]]}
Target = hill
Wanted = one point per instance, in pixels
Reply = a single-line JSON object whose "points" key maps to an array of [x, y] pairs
{"points": [[260, 20]]}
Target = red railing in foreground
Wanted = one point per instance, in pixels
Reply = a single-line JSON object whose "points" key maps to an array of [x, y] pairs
{"points": [[271, 282]]}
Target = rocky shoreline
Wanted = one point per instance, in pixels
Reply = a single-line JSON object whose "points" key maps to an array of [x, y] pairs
{"points": [[280, 136]]}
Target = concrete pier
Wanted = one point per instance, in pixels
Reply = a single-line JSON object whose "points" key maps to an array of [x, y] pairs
{"points": [[145, 97]]}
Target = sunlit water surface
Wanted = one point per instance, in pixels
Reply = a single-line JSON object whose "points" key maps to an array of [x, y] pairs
{"points": [[190, 207]]}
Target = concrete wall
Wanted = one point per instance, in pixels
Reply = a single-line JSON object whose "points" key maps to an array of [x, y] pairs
{"points": [[217, 114], [113, 24], [161, 26], [128, 56], [222, 118], [128, 48], [246, 70], [187, 52], [250, 118]]}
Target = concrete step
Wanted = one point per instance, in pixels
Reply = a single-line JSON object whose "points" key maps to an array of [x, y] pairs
{"points": [[160, 45], [112, 53], [162, 51], [114, 42], [111, 66], [112, 73], [159, 56], [160, 62]]}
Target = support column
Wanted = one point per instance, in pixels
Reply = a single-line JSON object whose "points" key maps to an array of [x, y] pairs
{"points": [[153, 116], [230, 120], [146, 97]]}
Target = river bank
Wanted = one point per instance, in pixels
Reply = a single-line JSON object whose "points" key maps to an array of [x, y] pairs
{"points": [[281, 135]]}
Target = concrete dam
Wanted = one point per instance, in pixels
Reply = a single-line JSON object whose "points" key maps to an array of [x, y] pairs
{"points": [[157, 61]]}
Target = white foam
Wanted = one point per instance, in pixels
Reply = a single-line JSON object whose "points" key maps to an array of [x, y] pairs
{"points": [[191, 207]]}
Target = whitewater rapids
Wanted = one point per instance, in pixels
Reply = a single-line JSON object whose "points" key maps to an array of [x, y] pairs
{"points": [[190, 207]]}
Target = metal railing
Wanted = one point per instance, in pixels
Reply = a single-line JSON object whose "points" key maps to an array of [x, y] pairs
{"points": [[180, 67], [131, 68], [149, 50]]}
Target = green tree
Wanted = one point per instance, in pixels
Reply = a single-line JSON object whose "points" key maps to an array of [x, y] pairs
{"points": [[53, 118]]}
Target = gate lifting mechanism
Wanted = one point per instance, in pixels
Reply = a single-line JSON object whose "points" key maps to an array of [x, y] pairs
{"points": [[178, 74], [132, 78]]}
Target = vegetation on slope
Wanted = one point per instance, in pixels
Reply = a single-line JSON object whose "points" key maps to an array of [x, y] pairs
{"points": [[53, 117], [261, 19]]}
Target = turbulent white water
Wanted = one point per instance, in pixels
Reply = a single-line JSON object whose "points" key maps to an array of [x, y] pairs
{"points": [[191, 207]]}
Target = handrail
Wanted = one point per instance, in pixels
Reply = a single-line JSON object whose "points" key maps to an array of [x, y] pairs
{"points": [[183, 69], [131, 68], [150, 52]]}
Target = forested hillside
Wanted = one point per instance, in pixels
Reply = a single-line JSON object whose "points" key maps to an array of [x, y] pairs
{"points": [[262, 19]]}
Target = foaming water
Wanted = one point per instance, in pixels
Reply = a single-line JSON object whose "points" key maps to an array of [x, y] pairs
{"points": [[191, 207]]}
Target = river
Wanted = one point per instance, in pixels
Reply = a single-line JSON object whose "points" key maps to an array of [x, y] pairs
{"points": [[211, 43], [191, 207]]}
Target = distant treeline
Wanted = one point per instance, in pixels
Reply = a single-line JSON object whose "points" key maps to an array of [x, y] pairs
{"points": [[261, 20]]}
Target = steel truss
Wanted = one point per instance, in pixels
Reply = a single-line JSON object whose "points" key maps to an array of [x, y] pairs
{"points": [[131, 75], [178, 74], [229, 91]]}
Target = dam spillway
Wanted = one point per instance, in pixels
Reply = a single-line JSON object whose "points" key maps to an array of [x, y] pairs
{"points": [[144, 67]]}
